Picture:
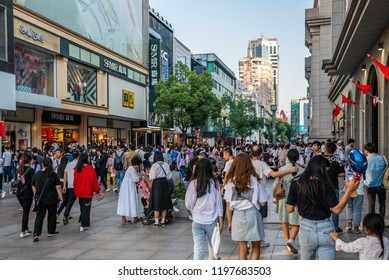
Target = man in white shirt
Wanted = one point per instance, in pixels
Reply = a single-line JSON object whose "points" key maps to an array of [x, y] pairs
{"points": [[68, 188], [7, 157]]}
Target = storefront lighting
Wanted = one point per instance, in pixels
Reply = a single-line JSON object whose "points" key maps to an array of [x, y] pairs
{"points": [[380, 46]]}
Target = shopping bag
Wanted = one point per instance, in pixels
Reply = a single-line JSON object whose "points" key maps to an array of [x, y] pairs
{"points": [[216, 239]]}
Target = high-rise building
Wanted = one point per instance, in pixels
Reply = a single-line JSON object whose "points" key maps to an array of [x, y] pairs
{"points": [[256, 75], [269, 49]]}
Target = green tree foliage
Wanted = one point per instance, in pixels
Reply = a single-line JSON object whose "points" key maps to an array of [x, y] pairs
{"points": [[186, 99], [243, 118], [284, 131]]}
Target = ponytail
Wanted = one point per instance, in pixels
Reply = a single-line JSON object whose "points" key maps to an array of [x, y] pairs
{"points": [[382, 245]]}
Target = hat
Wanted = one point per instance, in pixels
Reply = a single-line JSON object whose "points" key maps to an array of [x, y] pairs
{"points": [[339, 142], [59, 149]]}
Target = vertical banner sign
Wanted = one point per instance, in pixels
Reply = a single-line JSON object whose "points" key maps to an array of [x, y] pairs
{"points": [[165, 65], [154, 69], [197, 137]]}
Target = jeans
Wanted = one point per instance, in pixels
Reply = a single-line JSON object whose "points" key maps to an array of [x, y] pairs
{"points": [[7, 174], [68, 200], [119, 178], [315, 239], [182, 171], [85, 207], [372, 192], [26, 205], [1, 181], [335, 217], [200, 231], [51, 218], [354, 209]]}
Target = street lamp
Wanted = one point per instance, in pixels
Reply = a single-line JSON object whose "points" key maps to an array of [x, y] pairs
{"points": [[224, 115], [274, 129]]}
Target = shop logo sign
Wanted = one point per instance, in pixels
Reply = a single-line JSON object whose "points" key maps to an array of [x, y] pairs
{"points": [[115, 67], [31, 33]]}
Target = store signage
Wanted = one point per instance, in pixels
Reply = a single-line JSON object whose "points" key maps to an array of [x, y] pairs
{"points": [[31, 33], [60, 118], [128, 98], [155, 61], [115, 67]]}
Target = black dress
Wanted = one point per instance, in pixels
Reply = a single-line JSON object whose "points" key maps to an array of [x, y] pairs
{"points": [[160, 198]]}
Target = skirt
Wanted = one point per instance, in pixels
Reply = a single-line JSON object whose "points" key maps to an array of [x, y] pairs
{"points": [[247, 225], [160, 198]]}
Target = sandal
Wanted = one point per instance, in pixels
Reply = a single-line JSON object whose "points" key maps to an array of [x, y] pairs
{"points": [[136, 220], [127, 223]]}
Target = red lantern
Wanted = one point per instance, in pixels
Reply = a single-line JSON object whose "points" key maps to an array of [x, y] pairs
{"points": [[2, 129], [50, 134]]}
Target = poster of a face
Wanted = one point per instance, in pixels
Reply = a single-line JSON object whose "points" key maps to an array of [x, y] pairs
{"points": [[114, 24]]}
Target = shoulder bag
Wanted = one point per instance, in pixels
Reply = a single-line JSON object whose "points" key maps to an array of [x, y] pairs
{"points": [[385, 178], [37, 200], [279, 191], [18, 185]]}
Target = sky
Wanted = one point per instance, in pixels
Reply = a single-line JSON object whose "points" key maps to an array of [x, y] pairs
{"points": [[224, 27]]}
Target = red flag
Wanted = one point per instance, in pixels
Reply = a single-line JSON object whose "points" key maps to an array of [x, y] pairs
{"points": [[336, 111], [346, 100], [384, 69], [364, 88], [2, 129]]}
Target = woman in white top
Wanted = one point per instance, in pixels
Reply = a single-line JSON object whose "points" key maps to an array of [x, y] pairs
{"points": [[244, 195], [204, 201], [372, 247], [160, 198], [128, 196]]}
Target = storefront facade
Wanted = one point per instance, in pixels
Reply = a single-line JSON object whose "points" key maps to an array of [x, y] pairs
{"points": [[72, 83]]}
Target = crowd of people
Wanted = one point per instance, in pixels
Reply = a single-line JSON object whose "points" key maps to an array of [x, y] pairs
{"points": [[223, 184]]}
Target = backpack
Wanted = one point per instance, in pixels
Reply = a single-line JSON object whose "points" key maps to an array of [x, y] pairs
{"points": [[385, 178], [118, 161]]}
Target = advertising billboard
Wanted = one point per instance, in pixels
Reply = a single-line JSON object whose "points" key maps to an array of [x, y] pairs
{"points": [[114, 24]]}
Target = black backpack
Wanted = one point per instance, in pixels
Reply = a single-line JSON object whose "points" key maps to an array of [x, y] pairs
{"points": [[118, 161]]}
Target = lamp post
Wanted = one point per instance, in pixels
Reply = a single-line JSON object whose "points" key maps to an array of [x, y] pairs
{"points": [[224, 115], [274, 129]]}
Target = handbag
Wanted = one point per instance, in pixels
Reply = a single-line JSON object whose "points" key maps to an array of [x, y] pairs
{"points": [[279, 191], [18, 185], [37, 200]]}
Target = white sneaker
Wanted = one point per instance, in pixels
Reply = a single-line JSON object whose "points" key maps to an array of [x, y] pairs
{"points": [[83, 229], [3, 194], [264, 244], [107, 190], [291, 246], [24, 234], [190, 217], [175, 209]]}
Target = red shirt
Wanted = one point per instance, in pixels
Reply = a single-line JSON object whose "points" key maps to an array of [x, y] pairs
{"points": [[85, 182]]}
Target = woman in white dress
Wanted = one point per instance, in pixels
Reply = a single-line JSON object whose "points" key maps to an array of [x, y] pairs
{"points": [[128, 196]]}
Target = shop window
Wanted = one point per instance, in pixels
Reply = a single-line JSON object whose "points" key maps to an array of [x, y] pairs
{"points": [[34, 71], [3, 34], [82, 83]]}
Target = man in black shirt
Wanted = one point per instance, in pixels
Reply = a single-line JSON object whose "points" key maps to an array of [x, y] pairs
{"points": [[336, 170]]}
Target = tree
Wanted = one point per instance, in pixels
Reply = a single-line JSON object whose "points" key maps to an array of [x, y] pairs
{"points": [[243, 117], [284, 130], [186, 99]]}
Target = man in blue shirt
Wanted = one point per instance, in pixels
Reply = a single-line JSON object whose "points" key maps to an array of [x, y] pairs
{"points": [[373, 182]]}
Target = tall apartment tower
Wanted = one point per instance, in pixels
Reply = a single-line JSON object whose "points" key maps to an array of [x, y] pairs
{"points": [[269, 49]]}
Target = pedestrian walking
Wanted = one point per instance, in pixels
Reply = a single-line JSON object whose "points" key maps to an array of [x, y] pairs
{"points": [[354, 205], [375, 171], [160, 199], [314, 196], [85, 184], [291, 220], [244, 194], [374, 246], [204, 201], [128, 196], [25, 193], [47, 187]]}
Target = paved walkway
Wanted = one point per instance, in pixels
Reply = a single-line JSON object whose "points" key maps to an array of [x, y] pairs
{"points": [[108, 239]]}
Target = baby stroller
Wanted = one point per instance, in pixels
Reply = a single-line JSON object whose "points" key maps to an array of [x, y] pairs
{"points": [[148, 218]]}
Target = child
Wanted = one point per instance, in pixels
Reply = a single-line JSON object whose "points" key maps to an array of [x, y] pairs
{"points": [[372, 247]]}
